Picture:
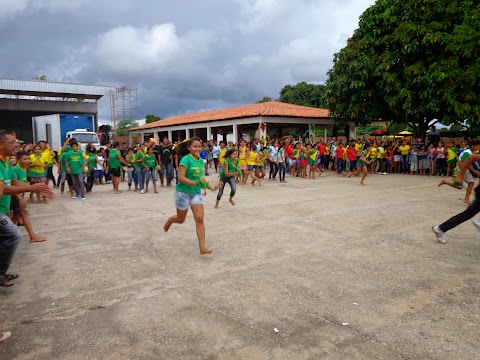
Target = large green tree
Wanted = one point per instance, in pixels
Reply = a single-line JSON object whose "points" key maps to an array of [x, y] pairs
{"points": [[410, 61], [303, 94], [151, 118], [124, 125]]}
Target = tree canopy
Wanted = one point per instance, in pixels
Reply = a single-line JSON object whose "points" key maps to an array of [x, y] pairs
{"points": [[264, 99], [151, 118], [303, 94], [124, 125], [410, 61]]}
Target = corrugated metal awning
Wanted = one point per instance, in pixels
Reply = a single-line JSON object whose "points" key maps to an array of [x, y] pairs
{"points": [[53, 89]]}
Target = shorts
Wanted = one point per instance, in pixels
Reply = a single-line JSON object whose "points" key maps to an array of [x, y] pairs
{"points": [[422, 164], [15, 204], [452, 161], [242, 168], [397, 158], [468, 178], [184, 200], [37, 180], [99, 174], [303, 162], [312, 163], [414, 166], [165, 169], [360, 164], [252, 167], [114, 172]]}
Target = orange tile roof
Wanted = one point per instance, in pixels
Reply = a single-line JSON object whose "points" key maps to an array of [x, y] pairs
{"points": [[271, 108]]}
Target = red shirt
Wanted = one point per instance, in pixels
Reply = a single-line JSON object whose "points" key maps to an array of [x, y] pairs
{"points": [[321, 149], [351, 154], [289, 150], [339, 152]]}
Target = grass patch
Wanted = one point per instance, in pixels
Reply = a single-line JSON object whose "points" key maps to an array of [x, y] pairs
{"points": [[26, 322]]}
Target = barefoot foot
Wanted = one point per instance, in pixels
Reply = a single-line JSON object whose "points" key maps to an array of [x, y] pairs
{"points": [[167, 225], [38, 238], [232, 202], [206, 251]]}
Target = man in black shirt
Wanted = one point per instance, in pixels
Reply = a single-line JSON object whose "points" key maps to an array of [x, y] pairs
{"points": [[164, 157]]}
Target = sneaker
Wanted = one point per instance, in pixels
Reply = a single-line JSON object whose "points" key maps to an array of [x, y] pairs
{"points": [[439, 234], [83, 197], [142, 191], [384, 173], [74, 197], [476, 222], [164, 185]]}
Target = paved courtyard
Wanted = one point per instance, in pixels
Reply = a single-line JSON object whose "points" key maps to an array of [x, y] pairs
{"points": [[340, 270]]}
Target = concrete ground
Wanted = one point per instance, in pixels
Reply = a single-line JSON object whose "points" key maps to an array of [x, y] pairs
{"points": [[340, 270]]}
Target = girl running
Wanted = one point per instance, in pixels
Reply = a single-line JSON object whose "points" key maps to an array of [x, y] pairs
{"points": [[227, 175], [191, 177], [362, 164]]}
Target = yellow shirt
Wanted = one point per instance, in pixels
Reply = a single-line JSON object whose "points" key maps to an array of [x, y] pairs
{"points": [[252, 158], [260, 159], [359, 148], [242, 161], [47, 155], [221, 156], [373, 153], [381, 154], [404, 150], [39, 163]]}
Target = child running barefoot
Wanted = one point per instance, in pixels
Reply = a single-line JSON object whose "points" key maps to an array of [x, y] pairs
{"points": [[227, 175], [191, 177], [362, 163]]}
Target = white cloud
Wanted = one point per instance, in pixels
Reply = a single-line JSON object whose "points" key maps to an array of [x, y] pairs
{"points": [[10, 8]]}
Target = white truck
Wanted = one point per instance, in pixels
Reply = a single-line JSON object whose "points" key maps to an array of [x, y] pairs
{"points": [[55, 128]]}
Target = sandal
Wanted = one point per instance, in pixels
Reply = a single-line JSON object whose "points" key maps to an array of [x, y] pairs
{"points": [[3, 282], [11, 276]]}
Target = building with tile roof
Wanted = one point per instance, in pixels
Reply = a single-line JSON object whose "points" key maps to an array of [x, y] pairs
{"points": [[237, 122]]}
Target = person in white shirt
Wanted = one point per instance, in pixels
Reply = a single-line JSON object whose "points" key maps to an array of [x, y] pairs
{"points": [[215, 153]]}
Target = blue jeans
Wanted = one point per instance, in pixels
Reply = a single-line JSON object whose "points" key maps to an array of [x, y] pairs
{"points": [[282, 170], [340, 165], [150, 173], [141, 177], [9, 240], [405, 167]]}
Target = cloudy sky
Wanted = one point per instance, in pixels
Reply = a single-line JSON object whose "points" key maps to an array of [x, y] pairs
{"points": [[181, 56]]}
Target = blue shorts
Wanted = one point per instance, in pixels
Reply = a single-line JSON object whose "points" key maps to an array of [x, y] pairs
{"points": [[184, 200], [252, 167]]}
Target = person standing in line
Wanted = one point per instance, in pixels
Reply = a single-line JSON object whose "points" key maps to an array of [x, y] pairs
{"points": [[150, 163], [165, 159], [191, 176], [140, 169], [215, 154], [77, 161]]}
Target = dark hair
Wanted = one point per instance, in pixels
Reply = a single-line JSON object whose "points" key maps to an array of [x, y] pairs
{"points": [[182, 148], [228, 153], [21, 153], [4, 133], [474, 142], [116, 144], [73, 142]]}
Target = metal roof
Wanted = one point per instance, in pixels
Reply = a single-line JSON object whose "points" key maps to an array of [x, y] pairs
{"points": [[53, 89]]}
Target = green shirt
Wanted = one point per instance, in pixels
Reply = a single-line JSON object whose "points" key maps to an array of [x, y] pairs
{"points": [[114, 161], [195, 171], [150, 161], [7, 175], [92, 160], [20, 174], [75, 161], [63, 161], [140, 156], [232, 168]]}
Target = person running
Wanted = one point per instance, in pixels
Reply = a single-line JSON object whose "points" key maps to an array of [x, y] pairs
{"points": [[469, 212], [251, 163], [191, 177], [115, 161], [18, 205], [362, 164], [229, 171]]}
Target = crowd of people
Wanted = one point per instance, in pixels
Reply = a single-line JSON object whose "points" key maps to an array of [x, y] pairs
{"points": [[29, 168]]}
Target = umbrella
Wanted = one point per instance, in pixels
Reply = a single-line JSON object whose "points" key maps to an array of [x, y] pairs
{"points": [[405, 132]]}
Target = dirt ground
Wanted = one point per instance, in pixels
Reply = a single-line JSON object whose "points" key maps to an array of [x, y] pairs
{"points": [[341, 271]]}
